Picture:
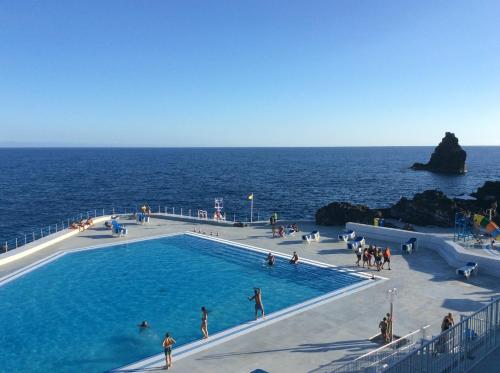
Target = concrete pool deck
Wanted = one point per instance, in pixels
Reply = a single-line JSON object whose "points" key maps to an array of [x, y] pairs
{"points": [[322, 338]]}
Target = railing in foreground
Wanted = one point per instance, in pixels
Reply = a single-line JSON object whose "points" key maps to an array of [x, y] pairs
{"points": [[377, 360], [457, 349], [23, 239]]}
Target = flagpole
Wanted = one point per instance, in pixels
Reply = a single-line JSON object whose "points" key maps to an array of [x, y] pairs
{"points": [[251, 209]]}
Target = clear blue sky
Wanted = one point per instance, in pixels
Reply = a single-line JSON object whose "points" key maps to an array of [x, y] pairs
{"points": [[249, 73]]}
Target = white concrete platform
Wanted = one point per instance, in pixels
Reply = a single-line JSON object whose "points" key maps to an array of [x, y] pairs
{"points": [[320, 338]]}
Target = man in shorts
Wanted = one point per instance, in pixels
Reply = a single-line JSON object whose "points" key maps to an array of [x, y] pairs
{"points": [[383, 329], [257, 296], [359, 252], [387, 258]]}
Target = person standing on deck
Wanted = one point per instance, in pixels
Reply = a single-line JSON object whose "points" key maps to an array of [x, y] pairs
{"points": [[359, 252], [389, 326], [387, 258], [168, 342], [383, 329], [257, 296]]}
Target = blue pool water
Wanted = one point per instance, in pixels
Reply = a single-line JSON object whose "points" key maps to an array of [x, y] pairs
{"points": [[80, 312]]}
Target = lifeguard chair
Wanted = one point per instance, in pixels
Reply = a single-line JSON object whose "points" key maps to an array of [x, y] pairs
{"points": [[219, 206], [463, 227]]}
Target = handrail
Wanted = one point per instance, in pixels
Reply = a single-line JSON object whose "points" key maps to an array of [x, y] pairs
{"points": [[393, 343], [378, 359], [458, 348], [27, 238]]}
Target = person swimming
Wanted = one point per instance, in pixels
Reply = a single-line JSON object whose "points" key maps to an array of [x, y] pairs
{"points": [[204, 322], [143, 325], [295, 258], [271, 259], [257, 296]]}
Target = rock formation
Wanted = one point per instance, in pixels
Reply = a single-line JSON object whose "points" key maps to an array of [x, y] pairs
{"points": [[339, 213], [431, 207], [448, 157], [488, 194]]}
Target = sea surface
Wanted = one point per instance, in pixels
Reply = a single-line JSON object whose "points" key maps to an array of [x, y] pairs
{"points": [[39, 187]]}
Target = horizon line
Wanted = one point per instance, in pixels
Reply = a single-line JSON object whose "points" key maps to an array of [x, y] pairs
{"points": [[216, 147]]}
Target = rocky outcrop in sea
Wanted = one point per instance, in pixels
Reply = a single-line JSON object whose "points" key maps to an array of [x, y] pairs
{"points": [[448, 157]]}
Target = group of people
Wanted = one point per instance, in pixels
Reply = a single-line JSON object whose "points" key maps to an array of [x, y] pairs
{"points": [[271, 259], [82, 224], [146, 209], [372, 256], [169, 341], [282, 231]]}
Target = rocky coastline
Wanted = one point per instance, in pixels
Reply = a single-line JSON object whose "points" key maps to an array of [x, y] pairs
{"points": [[429, 208]]}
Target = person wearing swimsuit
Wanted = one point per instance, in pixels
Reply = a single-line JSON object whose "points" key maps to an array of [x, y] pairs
{"points": [[168, 342], [271, 259], [258, 303], [204, 322]]}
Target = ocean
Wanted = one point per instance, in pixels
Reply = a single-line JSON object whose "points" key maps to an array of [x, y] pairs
{"points": [[44, 186]]}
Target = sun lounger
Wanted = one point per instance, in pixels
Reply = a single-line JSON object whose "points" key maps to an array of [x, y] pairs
{"points": [[470, 268], [409, 246], [313, 236], [290, 231], [118, 229], [356, 243], [347, 235]]}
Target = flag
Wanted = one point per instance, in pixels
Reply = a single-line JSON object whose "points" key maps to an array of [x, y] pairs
{"points": [[250, 197]]}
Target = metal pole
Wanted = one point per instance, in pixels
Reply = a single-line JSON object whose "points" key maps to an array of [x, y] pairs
{"points": [[251, 209], [159, 209], [189, 212], [49, 229], [25, 239], [181, 211], [16, 242], [41, 233], [392, 294], [33, 236], [173, 210]]}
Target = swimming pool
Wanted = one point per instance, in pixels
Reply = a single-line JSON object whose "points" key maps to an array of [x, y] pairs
{"points": [[81, 311]]}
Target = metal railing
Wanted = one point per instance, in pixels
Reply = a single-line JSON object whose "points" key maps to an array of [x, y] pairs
{"points": [[26, 238], [459, 348], [34, 235], [379, 359]]}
